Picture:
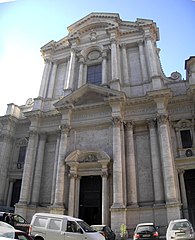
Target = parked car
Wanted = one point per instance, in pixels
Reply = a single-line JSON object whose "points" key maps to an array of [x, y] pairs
{"points": [[105, 230], [48, 226], [4, 225], [4, 238], [146, 231], [15, 234], [180, 229], [15, 220]]}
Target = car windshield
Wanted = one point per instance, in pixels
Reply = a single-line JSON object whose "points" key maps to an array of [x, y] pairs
{"points": [[180, 225], [98, 228], [85, 226], [145, 228]]}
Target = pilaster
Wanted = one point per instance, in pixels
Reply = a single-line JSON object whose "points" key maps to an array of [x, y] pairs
{"points": [[131, 166], [156, 164]]}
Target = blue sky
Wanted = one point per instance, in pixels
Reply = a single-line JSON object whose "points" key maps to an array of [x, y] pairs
{"points": [[27, 25]]}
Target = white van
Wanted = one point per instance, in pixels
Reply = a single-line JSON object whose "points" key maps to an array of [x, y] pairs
{"points": [[46, 226]]}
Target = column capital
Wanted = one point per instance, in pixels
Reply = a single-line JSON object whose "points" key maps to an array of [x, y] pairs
{"points": [[116, 121], [123, 45], [33, 133], [129, 125], [152, 122], [140, 42], [104, 173], [180, 171], [163, 119], [7, 137], [113, 40], [65, 128], [43, 135]]}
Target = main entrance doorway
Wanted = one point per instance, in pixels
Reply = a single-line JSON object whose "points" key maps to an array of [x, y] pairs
{"points": [[90, 199], [189, 177]]}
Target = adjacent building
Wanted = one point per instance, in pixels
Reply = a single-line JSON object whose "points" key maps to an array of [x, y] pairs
{"points": [[109, 139]]}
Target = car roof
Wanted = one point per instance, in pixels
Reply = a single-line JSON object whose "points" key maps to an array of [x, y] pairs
{"points": [[5, 225], [179, 220], [51, 215], [145, 224], [5, 238], [98, 225]]}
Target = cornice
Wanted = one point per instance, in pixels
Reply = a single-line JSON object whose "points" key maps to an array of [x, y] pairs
{"points": [[33, 114], [8, 119]]}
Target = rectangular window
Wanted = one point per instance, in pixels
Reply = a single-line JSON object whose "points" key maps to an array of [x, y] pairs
{"points": [[55, 224], [94, 74], [40, 222], [22, 153], [186, 138]]}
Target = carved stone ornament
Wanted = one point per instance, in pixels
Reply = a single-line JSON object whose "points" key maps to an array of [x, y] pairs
{"points": [[22, 142], [183, 123], [176, 76], [94, 55], [93, 35], [91, 158], [29, 101]]}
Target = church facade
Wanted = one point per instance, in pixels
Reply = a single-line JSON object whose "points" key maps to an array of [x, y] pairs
{"points": [[110, 138]]}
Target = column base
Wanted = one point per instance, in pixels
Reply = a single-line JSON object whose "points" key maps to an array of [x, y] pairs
{"points": [[21, 209], [173, 211], [58, 209], [118, 206], [118, 217], [115, 84]]}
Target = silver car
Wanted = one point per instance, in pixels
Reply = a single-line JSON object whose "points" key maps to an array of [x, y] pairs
{"points": [[179, 230]]}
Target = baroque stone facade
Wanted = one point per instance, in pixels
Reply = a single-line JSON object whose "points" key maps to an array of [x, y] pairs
{"points": [[109, 138]]}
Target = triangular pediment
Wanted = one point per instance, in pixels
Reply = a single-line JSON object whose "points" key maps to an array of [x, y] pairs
{"points": [[89, 95], [101, 22]]}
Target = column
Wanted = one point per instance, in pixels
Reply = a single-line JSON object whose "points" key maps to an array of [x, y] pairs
{"points": [[59, 191], [45, 78], [151, 56], [9, 197], [169, 178], [183, 193], [125, 64], [66, 75], [131, 166], [71, 69], [77, 193], [28, 168], [72, 189], [6, 149], [55, 167], [118, 201], [153, 63], [80, 79], [156, 164], [104, 68], [114, 60], [38, 170], [52, 80], [105, 194], [143, 62]]}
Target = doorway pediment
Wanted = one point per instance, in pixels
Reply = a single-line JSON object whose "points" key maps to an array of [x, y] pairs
{"points": [[87, 156]]}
